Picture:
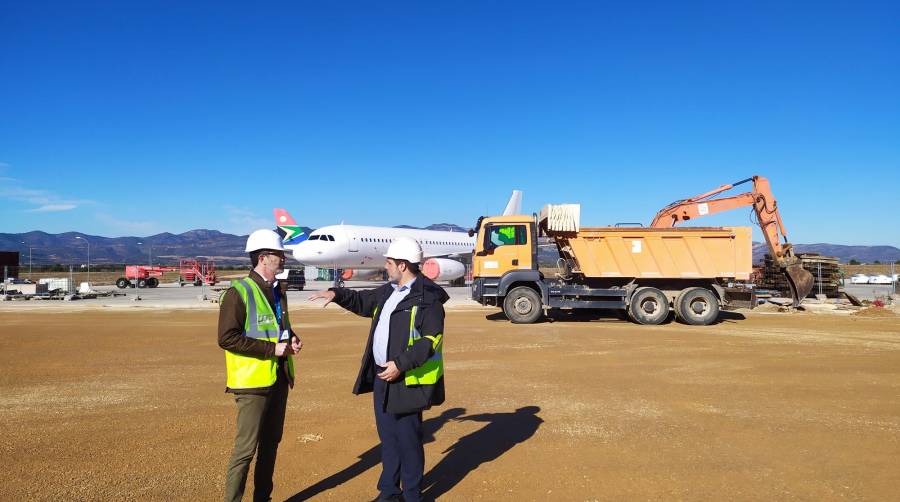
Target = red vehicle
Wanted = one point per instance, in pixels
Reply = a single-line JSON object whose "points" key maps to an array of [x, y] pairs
{"points": [[197, 272], [142, 276]]}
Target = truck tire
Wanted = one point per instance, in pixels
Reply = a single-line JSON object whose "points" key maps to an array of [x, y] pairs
{"points": [[522, 305], [649, 306], [676, 303], [152, 282], [122, 283], [697, 307], [198, 282], [142, 283]]}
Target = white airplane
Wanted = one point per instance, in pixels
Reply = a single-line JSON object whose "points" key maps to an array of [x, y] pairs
{"points": [[359, 250]]}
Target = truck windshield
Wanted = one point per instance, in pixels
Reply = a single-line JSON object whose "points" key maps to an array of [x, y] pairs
{"points": [[507, 235]]}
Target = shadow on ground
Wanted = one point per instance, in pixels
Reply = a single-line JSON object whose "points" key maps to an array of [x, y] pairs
{"points": [[501, 433]]}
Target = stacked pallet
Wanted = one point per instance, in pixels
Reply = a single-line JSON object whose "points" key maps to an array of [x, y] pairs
{"points": [[825, 270]]}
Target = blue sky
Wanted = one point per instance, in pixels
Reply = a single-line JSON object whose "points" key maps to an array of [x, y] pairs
{"points": [[136, 118]]}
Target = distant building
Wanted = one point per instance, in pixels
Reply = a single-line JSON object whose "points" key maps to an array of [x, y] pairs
{"points": [[9, 263]]}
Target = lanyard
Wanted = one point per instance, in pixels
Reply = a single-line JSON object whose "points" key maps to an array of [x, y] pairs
{"points": [[276, 292]]}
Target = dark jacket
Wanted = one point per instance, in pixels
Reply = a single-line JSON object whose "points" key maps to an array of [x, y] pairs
{"points": [[429, 321], [233, 313]]}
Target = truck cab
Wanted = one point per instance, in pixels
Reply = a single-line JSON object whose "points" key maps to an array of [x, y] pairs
{"points": [[505, 243], [505, 259]]}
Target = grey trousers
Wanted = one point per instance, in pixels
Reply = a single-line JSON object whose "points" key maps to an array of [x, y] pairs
{"points": [[260, 421]]}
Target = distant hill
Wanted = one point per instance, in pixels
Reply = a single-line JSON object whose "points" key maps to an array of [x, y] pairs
{"points": [[864, 254], [167, 248]]}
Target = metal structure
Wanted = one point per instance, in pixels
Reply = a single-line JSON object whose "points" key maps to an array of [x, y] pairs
{"points": [[89, 255], [197, 272]]}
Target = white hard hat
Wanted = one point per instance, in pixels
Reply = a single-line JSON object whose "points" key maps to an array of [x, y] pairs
{"points": [[264, 239], [405, 248]]}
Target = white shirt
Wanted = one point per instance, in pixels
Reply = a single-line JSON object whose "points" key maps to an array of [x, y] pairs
{"points": [[383, 328]]}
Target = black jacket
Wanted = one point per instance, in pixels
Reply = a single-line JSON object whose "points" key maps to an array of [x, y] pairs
{"points": [[429, 322]]}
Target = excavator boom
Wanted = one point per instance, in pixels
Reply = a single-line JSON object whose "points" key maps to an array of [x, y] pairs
{"points": [[767, 215]]}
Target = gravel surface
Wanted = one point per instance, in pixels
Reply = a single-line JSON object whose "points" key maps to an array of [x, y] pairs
{"points": [[128, 404]]}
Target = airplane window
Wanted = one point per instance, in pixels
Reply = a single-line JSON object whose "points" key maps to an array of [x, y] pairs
{"points": [[331, 238], [313, 237]]}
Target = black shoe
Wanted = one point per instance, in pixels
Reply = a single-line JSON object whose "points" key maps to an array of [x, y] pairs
{"points": [[389, 498]]}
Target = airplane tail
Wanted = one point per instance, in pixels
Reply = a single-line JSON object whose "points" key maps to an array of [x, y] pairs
{"points": [[291, 233], [514, 206]]}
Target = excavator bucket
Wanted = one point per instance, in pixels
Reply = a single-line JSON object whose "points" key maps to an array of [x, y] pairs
{"points": [[801, 282]]}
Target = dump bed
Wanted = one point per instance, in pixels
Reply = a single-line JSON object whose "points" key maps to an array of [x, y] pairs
{"points": [[659, 253]]}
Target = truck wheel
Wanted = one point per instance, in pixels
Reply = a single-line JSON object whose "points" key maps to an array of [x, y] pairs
{"points": [[649, 306], [122, 283], [677, 302], [698, 307], [198, 282], [152, 282], [522, 305], [142, 283]]}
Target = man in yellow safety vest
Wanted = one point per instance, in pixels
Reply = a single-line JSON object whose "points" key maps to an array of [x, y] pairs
{"points": [[255, 332]]}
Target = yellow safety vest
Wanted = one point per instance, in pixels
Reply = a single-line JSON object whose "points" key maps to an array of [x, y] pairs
{"points": [[432, 370], [252, 372]]}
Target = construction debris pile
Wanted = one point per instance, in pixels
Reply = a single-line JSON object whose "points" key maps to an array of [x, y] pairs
{"points": [[825, 270]]}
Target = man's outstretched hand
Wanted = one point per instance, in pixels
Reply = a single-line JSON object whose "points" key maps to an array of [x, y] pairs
{"points": [[327, 295]]}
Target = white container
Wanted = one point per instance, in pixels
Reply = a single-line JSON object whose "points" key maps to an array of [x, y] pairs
{"points": [[54, 283], [31, 289]]}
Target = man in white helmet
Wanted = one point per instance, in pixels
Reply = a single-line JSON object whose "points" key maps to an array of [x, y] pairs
{"points": [[403, 363], [255, 331]]}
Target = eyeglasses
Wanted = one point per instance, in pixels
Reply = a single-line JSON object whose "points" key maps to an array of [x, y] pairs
{"points": [[279, 255]]}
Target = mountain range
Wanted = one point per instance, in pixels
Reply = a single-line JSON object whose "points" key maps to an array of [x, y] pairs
{"points": [[167, 248]]}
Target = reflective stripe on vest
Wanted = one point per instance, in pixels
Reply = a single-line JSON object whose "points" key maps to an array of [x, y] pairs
{"points": [[430, 372], [250, 372]]}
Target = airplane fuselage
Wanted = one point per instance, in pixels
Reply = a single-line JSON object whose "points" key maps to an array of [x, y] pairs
{"points": [[363, 247]]}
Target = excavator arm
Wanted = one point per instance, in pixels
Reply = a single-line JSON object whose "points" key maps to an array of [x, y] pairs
{"points": [[766, 209]]}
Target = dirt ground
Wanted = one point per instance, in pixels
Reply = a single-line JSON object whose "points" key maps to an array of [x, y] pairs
{"points": [[130, 406]]}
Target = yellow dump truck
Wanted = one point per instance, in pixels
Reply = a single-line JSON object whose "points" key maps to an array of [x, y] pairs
{"points": [[646, 272]]}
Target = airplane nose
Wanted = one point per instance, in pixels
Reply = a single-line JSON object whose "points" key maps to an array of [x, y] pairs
{"points": [[308, 255]]}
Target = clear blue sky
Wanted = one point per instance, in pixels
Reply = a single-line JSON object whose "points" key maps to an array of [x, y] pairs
{"points": [[126, 118]]}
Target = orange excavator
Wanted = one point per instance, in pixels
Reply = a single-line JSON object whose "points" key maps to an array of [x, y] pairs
{"points": [[767, 216]]}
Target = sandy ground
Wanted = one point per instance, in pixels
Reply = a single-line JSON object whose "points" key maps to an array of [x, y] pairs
{"points": [[129, 405]]}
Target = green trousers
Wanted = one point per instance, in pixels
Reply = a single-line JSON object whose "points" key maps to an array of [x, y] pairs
{"points": [[260, 421]]}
